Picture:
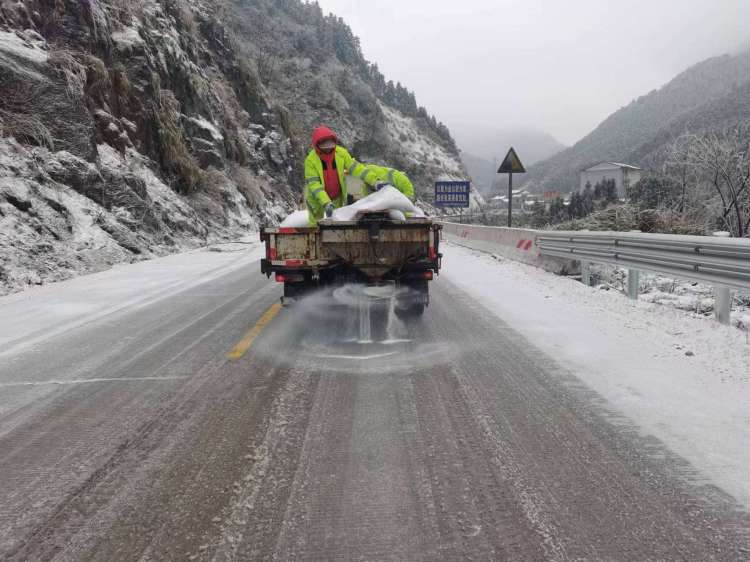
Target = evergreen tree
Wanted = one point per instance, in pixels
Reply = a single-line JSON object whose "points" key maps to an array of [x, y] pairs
{"points": [[587, 200], [656, 192], [605, 192], [557, 211], [540, 217], [598, 189], [610, 192], [575, 209]]}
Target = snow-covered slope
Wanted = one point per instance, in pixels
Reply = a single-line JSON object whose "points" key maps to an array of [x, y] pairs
{"points": [[422, 151], [134, 129], [419, 148], [54, 225]]}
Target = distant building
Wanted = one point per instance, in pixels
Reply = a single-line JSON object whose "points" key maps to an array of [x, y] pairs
{"points": [[624, 175], [519, 197]]}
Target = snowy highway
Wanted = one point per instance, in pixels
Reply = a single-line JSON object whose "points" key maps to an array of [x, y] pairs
{"points": [[171, 410]]}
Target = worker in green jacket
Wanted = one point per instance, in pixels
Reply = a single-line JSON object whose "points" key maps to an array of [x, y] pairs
{"points": [[326, 168]]}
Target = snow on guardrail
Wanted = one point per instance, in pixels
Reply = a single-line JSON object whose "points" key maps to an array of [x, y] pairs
{"points": [[719, 261], [518, 244]]}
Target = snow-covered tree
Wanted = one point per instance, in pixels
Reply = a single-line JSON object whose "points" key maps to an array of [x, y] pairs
{"points": [[717, 164]]}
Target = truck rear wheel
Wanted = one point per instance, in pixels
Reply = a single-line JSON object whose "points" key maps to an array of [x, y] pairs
{"points": [[296, 290], [411, 300], [409, 312]]}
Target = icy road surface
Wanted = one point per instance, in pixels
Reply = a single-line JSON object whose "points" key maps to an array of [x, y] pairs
{"points": [[128, 432]]}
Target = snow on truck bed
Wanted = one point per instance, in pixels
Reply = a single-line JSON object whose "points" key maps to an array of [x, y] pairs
{"points": [[387, 199]]}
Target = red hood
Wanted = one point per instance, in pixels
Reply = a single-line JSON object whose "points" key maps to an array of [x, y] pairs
{"points": [[321, 134]]}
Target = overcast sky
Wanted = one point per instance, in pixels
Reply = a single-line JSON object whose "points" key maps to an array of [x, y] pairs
{"points": [[559, 66]]}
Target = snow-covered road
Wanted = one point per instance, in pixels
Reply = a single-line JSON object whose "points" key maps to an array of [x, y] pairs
{"points": [[524, 417]]}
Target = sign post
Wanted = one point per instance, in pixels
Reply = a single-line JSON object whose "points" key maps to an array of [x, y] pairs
{"points": [[511, 164], [453, 194]]}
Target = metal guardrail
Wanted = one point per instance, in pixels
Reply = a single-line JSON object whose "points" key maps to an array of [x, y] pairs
{"points": [[722, 262]]}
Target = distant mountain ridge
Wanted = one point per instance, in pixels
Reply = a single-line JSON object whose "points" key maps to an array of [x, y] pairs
{"points": [[489, 142], [481, 171], [480, 147], [708, 95]]}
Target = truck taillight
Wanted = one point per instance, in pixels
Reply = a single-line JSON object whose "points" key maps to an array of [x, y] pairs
{"points": [[272, 255], [432, 253], [289, 278], [427, 275]]}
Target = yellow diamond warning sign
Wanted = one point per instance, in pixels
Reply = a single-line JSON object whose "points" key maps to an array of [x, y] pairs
{"points": [[511, 164]]}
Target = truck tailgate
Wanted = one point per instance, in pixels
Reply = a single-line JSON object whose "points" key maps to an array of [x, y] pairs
{"points": [[373, 247]]}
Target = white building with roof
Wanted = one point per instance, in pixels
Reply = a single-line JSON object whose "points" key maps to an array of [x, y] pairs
{"points": [[519, 196], [624, 175]]}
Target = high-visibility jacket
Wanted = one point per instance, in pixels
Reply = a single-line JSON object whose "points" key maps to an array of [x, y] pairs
{"points": [[316, 197], [315, 193], [397, 179]]}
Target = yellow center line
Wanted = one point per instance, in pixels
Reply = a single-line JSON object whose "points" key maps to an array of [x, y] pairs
{"points": [[245, 343]]}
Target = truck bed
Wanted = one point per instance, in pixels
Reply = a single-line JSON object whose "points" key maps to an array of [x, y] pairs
{"points": [[375, 247]]}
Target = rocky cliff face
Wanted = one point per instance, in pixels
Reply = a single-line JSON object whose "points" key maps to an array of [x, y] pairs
{"points": [[135, 128]]}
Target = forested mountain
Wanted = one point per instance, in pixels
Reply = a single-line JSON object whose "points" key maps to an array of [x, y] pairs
{"points": [[708, 95], [135, 128], [313, 64]]}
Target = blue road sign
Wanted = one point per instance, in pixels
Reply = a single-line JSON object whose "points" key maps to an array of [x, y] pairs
{"points": [[452, 193]]}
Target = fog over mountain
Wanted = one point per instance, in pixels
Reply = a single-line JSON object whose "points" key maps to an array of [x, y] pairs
{"points": [[482, 151], [709, 95], [489, 143], [558, 67]]}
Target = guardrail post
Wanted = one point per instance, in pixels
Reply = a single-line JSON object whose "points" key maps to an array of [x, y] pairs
{"points": [[723, 304], [586, 273], [634, 278], [722, 295]]}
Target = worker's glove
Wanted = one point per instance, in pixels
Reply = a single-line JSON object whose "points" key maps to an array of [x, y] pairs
{"points": [[380, 185], [329, 210]]}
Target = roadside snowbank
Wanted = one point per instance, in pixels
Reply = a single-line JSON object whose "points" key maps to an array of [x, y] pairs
{"points": [[684, 379], [32, 316]]}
